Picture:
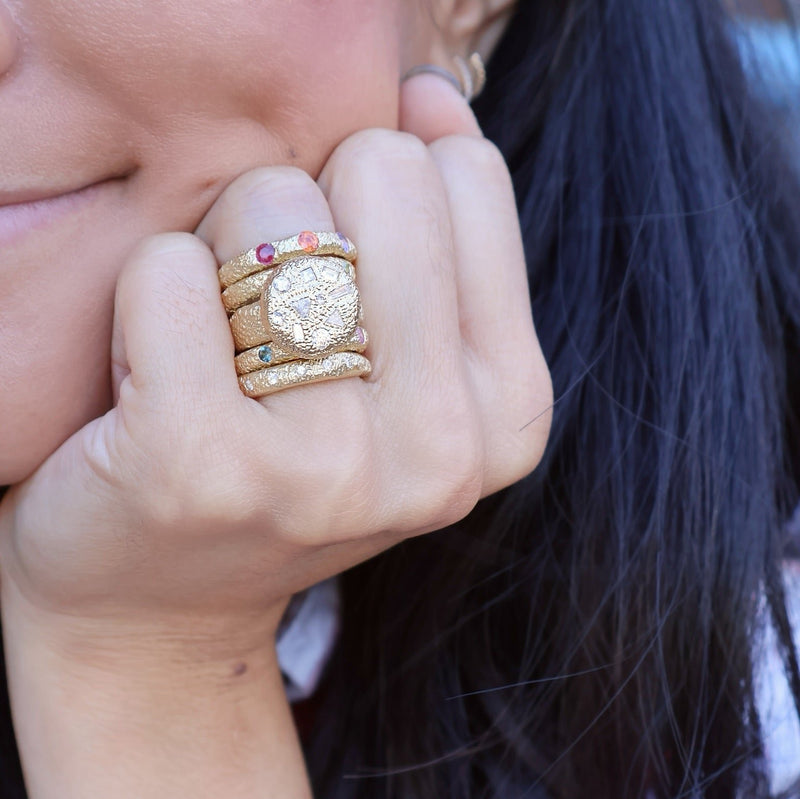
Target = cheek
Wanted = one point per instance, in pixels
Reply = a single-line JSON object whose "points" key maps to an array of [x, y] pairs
{"points": [[54, 366], [282, 64], [202, 91]]}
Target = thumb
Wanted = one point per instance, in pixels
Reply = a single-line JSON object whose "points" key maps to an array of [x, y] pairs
{"points": [[431, 107]]}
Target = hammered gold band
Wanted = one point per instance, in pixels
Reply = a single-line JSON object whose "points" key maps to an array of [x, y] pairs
{"points": [[247, 328], [274, 253], [271, 354], [297, 373], [246, 291]]}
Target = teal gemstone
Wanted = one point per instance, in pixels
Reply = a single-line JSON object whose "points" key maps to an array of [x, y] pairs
{"points": [[265, 354]]}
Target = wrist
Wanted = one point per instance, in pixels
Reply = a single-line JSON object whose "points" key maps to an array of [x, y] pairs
{"points": [[109, 635], [144, 712]]}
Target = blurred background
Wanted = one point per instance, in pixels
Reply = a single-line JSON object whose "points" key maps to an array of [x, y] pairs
{"points": [[769, 36]]}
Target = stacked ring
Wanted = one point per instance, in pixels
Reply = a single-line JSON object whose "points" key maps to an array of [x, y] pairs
{"points": [[271, 354], [274, 253], [295, 312]]}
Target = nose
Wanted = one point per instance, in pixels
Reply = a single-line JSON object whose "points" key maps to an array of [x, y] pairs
{"points": [[8, 40]]}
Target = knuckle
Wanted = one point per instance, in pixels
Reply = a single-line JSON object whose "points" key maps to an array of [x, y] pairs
{"points": [[323, 487], [524, 444], [170, 275], [154, 259], [452, 480], [191, 482], [378, 147], [480, 154], [462, 472], [163, 247], [287, 187]]}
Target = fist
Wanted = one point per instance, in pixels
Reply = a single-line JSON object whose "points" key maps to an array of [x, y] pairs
{"points": [[187, 498]]}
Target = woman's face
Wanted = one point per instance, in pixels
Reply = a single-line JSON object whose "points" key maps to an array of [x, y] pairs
{"points": [[155, 105]]}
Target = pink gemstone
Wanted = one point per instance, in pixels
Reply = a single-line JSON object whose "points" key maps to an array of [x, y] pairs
{"points": [[265, 253], [359, 335], [307, 241]]}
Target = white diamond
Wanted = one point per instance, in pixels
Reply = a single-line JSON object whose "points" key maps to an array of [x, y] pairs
{"points": [[341, 291], [321, 339], [330, 273], [282, 283], [308, 275], [272, 378], [302, 369], [277, 317], [299, 335]]}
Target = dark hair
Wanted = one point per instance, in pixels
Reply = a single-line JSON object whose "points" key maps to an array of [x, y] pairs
{"points": [[592, 630]]}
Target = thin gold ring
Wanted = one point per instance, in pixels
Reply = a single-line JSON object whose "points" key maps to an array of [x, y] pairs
{"points": [[274, 253], [302, 372]]}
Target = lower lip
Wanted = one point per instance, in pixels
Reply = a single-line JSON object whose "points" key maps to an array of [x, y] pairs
{"points": [[17, 221]]}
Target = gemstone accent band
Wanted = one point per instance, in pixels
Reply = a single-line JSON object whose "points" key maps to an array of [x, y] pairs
{"points": [[274, 253], [271, 354]]}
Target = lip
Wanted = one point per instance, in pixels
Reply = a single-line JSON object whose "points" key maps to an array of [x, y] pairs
{"points": [[23, 212]]}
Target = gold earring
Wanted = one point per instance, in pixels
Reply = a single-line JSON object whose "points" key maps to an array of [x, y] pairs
{"points": [[473, 74]]}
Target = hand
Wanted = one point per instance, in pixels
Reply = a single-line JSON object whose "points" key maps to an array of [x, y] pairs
{"points": [[188, 502]]}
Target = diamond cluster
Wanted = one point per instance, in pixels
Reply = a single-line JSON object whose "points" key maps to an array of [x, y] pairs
{"points": [[311, 305]]}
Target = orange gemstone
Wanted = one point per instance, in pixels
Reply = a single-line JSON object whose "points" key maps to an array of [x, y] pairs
{"points": [[308, 241]]}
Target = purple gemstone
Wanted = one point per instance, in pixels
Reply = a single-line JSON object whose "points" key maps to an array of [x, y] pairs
{"points": [[359, 335], [302, 306], [265, 253], [344, 242]]}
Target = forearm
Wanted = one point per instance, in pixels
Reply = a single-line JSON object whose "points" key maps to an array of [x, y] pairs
{"points": [[147, 718]]}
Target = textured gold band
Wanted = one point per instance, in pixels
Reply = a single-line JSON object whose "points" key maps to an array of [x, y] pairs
{"points": [[271, 354], [297, 373], [271, 254], [247, 328], [245, 291]]}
